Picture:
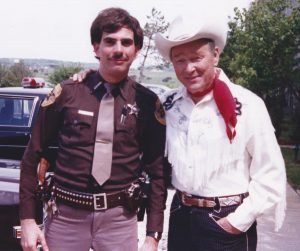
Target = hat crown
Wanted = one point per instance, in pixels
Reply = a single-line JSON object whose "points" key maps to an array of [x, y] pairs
{"points": [[178, 30]]}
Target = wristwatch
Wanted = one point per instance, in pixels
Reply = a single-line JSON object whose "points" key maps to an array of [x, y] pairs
{"points": [[155, 235]]}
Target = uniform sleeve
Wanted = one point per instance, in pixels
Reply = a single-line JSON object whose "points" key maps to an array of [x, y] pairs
{"points": [[43, 133], [153, 159], [267, 185]]}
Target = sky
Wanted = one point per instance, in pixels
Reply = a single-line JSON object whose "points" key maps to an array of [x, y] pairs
{"points": [[59, 29]]}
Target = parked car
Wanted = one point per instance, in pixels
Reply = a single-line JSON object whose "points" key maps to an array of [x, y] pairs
{"points": [[18, 110], [29, 82]]}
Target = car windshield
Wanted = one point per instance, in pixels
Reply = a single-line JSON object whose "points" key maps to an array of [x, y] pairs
{"points": [[15, 111]]}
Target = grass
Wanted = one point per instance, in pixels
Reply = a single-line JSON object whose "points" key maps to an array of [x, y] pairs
{"points": [[292, 167], [167, 78]]}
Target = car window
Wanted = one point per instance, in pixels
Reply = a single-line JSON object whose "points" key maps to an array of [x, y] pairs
{"points": [[15, 111]]}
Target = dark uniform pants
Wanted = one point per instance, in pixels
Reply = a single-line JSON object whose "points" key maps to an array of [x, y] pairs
{"points": [[196, 229], [75, 229]]}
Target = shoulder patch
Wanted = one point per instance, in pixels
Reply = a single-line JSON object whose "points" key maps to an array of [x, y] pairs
{"points": [[160, 113], [51, 97]]}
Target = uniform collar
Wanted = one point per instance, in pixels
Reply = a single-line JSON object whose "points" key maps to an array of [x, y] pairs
{"points": [[122, 87]]}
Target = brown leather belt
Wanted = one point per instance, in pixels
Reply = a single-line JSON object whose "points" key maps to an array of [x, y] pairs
{"points": [[89, 201], [223, 201]]}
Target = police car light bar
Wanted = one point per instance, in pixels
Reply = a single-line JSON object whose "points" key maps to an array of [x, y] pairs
{"points": [[29, 82]]}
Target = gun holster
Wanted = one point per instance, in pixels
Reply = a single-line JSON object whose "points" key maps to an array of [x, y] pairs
{"points": [[137, 196], [43, 191]]}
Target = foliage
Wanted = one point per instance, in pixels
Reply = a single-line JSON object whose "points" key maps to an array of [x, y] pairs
{"points": [[64, 72], [296, 120], [157, 77], [3, 75], [262, 48], [13, 75], [156, 24], [292, 166]]}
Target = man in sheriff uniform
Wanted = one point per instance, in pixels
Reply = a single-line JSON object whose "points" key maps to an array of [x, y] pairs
{"points": [[107, 128]]}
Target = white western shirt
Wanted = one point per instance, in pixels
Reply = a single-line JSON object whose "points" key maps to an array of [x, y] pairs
{"points": [[205, 163]]}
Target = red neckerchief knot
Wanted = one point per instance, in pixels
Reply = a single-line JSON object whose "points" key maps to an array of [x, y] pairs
{"points": [[226, 105]]}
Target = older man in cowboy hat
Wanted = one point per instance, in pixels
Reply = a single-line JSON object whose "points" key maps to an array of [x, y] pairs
{"points": [[227, 166]]}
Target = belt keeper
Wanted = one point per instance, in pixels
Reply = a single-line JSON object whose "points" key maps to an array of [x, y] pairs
{"points": [[182, 197], [217, 207]]}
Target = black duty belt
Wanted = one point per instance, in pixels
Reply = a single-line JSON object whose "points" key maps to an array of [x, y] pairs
{"points": [[222, 201], [89, 201]]}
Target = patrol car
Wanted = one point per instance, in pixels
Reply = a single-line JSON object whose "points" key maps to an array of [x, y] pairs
{"points": [[18, 110], [28, 82]]}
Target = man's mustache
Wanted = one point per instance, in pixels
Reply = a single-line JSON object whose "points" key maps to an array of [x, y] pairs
{"points": [[119, 57], [116, 57]]}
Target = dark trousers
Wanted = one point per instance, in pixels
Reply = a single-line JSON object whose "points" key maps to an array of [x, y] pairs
{"points": [[196, 229]]}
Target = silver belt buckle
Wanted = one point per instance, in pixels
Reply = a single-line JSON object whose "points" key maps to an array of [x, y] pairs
{"points": [[230, 201], [97, 201]]}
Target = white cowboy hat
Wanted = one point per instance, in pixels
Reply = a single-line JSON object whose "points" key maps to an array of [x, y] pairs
{"points": [[180, 33]]}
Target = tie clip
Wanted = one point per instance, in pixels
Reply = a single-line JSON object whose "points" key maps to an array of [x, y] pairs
{"points": [[102, 141]]}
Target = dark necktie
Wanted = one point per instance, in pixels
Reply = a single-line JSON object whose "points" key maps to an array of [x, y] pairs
{"points": [[102, 160]]}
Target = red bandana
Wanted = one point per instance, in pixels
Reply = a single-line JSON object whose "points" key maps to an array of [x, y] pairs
{"points": [[225, 103]]}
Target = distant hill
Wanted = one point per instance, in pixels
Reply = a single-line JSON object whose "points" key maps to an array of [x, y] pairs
{"points": [[39, 62], [44, 67]]}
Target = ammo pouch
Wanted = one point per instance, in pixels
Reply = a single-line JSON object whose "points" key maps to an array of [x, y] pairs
{"points": [[137, 195]]}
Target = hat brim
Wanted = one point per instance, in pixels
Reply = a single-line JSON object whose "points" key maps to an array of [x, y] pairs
{"points": [[165, 45]]}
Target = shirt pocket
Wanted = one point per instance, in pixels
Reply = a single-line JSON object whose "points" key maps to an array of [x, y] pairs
{"points": [[125, 134], [77, 127]]}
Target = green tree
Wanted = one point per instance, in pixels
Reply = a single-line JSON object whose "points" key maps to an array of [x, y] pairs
{"points": [[19, 71], [3, 75], [13, 75], [262, 52], [296, 129], [64, 72], [156, 23]]}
